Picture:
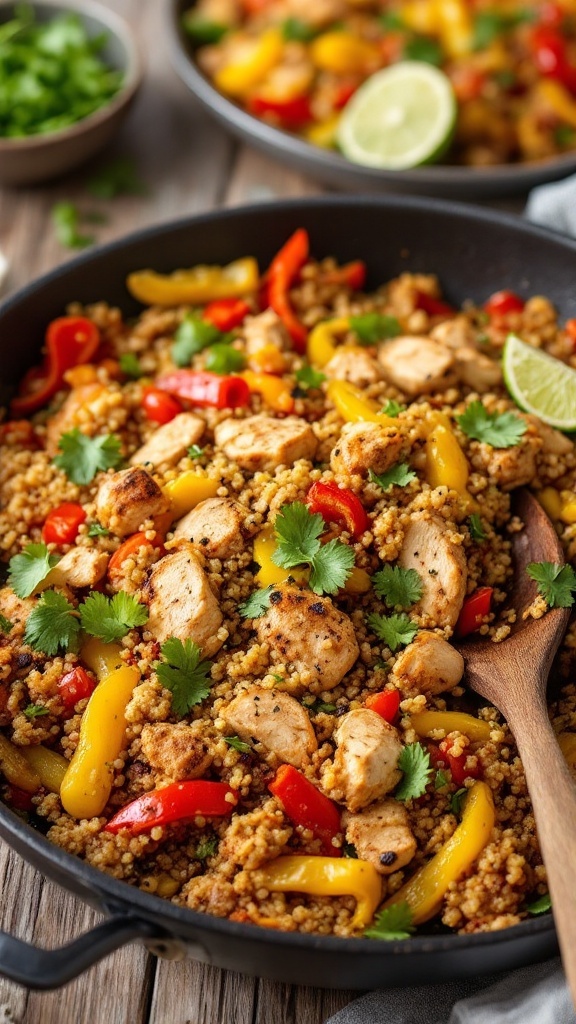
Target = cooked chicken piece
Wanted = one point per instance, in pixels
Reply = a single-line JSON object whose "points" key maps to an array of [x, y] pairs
{"points": [[16, 610], [310, 634], [454, 333], [220, 12], [366, 758], [276, 720], [417, 366], [510, 467], [214, 527], [181, 603], [265, 329], [364, 446], [353, 364], [178, 751], [432, 549], [127, 498], [403, 291], [79, 567], [319, 13], [77, 410], [428, 665], [263, 443], [553, 442], [381, 835], [477, 370], [171, 441]]}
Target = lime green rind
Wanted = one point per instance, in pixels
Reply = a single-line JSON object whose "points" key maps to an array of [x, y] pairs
{"points": [[540, 384]]}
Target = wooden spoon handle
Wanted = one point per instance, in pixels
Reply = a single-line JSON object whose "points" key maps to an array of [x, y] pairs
{"points": [[553, 795]]}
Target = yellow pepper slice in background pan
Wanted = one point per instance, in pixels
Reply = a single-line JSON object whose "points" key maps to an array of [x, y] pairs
{"points": [[196, 286], [328, 876], [257, 57]]}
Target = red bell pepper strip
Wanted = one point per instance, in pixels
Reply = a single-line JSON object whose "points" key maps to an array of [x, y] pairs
{"points": [[75, 686], [206, 389], [282, 273], [226, 314], [307, 806], [352, 275], [550, 54], [443, 755], [386, 704], [504, 302], [19, 799], [159, 406], [177, 802], [294, 112], [338, 505], [70, 341], [129, 548], [343, 93], [474, 609], [432, 306], [62, 524]]}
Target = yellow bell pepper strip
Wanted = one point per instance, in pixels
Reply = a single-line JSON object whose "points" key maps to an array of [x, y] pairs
{"points": [[551, 502], [446, 464], [88, 781], [567, 744], [424, 891], [323, 133], [343, 53], [197, 286], [327, 876], [188, 490], [320, 346], [427, 722], [270, 574], [50, 766], [100, 657], [568, 509], [558, 98], [358, 582], [275, 391], [16, 769], [267, 359], [257, 57], [353, 406], [455, 25], [420, 16]]}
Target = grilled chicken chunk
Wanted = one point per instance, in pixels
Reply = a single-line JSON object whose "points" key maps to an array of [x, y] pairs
{"points": [[265, 329], [262, 443], [309, 633], [381, 835], [214, 527], [365, 761], [364, 446], [181, 602], [477, 370], [417, 366], [179, 751], [127, 498], [276, 720], [79, 567], [428, 665], [433, 551], [353, 364], [171, 441]]}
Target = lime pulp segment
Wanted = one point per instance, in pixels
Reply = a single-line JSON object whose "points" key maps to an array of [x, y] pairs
{"points": [[540, 384]]}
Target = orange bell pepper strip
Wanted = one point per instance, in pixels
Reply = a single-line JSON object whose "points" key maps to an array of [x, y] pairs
{"points": [[70, 340], [282, 274]]}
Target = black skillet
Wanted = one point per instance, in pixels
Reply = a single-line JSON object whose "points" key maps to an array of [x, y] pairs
{"points": [[474, 253]]}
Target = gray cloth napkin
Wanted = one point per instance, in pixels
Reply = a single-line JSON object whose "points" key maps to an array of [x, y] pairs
{"points": [[532, 995]]}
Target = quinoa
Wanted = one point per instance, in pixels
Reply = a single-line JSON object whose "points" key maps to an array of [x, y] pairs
{"points": [[316, 657]]}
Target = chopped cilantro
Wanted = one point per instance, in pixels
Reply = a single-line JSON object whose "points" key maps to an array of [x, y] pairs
{"points": [[202, 31], [331, 567], [183, 673], [398, 475], [392, 923], [5, 624], [499, 429], [398, 586], [223, 358], [195, 451], [425, 49], [207, 847], [457, 801], [309, 377], [349, 850], [564, 135], [52, 625], [298, 31], [441, 779], [256, 604], [130, 366], [30, 568], [36, 711], [193, 336], [66, 220], [316, 706], [237, 744], [279, 679], [370, 328], [476, 529], [110, 618], [392, 408], [97, 530], [392, 21], [395, 630], [414, 761], [297, 532], [556, 583], [541, 905], [83, 457], [488, 25], [117, 178]]}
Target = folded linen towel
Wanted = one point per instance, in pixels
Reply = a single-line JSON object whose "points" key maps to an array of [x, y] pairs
{"points": [[554, 206], [531, 995]]}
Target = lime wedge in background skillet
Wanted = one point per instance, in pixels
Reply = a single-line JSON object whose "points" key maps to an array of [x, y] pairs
{"points": [[400, 117], [540, 384]]}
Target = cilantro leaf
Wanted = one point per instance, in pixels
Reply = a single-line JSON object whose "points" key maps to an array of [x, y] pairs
{"points": [[29, 568], [296, 30], [457, 800], [83, 457], [556, 583], [414, 761], [237, 744], [309, 377], [183, 673], [110, 618], [297, 530], [331, 567], [370, 328], [425, 49], [398, 586], [399, 475], [475, 526], [317, 705], [392, 21], [202, 31], [256, 604], [392, 408], [206, 848], [52, 625], [392, 923], [97, 530], [541, 905], [499, 429], [195, 452], [5, 624], [193, 336], [66, 220], [441, 779], [488, 25], [395, 630], [130, 366], [36, 711], [117, 178]]}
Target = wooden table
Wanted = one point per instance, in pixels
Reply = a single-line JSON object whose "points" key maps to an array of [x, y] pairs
{"points": [[190, 166]]}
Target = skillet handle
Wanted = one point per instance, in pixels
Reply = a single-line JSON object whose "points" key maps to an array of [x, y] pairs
{"points": [[50, 968]]}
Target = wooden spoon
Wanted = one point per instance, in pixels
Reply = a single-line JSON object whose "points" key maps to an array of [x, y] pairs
{"points": [[512, 675]]}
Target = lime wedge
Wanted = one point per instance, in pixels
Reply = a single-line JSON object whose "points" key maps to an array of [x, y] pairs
{"points": [[540, 384], [400, 117]]}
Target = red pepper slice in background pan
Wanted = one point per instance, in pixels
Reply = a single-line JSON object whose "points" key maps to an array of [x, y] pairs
{"points": [[177, 802], [338, 505], [226, 314], [281, 275], [307, 806], [432, 306], [504, 302], [293, 112], [70, 341]]}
